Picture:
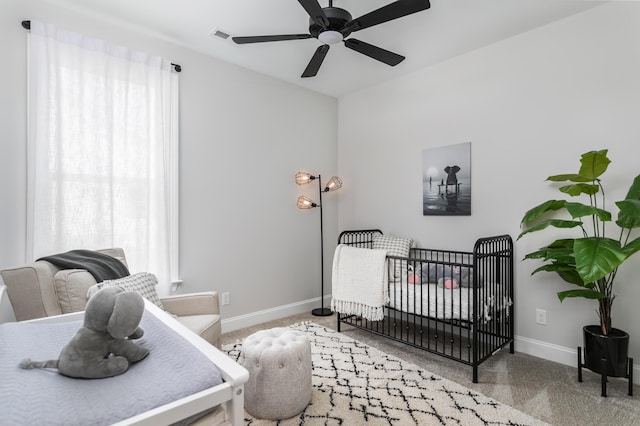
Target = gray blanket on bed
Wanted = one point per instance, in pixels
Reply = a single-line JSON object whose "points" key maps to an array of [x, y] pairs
{"points": [[173, 369]]}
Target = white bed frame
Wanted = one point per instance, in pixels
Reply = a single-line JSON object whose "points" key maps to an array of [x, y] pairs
{"points": [[229, 395]]}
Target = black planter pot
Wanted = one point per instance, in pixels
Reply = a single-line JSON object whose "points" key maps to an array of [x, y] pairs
{"points": [[614, 347]]}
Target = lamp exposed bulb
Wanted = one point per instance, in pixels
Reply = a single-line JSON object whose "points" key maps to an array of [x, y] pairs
{"points": [[305, 203], [304, 178], [334, 183]]}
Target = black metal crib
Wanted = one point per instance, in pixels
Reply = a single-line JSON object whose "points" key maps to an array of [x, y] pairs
{"points": [[467, 324]]}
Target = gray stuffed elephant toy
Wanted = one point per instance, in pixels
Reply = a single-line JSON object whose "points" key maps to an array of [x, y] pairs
{"points": [[103, 346], [447, 276]]}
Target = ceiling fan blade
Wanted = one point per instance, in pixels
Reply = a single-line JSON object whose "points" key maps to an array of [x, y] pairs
{"points": [[374, 52], [386, 13], [316, 61], [315, 12], [267, 38]]}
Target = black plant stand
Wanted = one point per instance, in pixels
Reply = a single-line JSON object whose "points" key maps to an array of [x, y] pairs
{"points": [[603, 368]]}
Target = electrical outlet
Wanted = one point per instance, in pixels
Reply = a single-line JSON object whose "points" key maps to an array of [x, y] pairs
{"points": [[225, 298], [541, 317]]}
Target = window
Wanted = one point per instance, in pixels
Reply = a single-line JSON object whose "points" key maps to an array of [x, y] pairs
{"points": [[102, 151]]}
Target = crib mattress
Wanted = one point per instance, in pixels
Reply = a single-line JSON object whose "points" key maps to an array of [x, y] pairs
{"points": [[174, 369], [430, 300]]}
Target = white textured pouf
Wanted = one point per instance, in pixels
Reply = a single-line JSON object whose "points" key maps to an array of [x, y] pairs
{"points": [[279, 364]]}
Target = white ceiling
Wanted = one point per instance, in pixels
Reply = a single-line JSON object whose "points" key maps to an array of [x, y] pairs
{"points": [[449, 28]]}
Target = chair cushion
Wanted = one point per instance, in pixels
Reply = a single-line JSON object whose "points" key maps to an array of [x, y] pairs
{"points": [[30, 290], [71, 287], [206, 326]]}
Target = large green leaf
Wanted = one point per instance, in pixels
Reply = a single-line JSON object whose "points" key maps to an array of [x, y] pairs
{"points": [[559, 250], [539, 254], [562, 243], [540, 209], [593, 164], [579, 189], [577, 210], [586, 293], [634, 191], [566, 271], [629, 215], [571, 276], [562, 256], [554, 267], [556, 223], [632, 247], [572, 177], [597, 257]]}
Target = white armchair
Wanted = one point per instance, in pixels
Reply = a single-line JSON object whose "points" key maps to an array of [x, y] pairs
{"points": [[40, 289]]}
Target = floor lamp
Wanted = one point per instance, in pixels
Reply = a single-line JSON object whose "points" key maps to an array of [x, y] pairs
{"points": [[334, 183]]}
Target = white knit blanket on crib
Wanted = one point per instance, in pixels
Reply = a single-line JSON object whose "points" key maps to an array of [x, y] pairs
{"points": [[360, 282]]}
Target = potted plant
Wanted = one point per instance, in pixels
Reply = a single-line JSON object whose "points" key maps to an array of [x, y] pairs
{"points": [[591, 260]]}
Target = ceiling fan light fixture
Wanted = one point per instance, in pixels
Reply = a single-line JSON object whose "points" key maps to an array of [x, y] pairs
{"points": [[332, 25], [330, 37]]}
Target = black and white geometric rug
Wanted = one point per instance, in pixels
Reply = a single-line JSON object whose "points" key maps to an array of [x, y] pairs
{"points": [[356, 384]]}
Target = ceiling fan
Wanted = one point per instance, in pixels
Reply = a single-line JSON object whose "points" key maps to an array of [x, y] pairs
{"points": [[333, 25]]}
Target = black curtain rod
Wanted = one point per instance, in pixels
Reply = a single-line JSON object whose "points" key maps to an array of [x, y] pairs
{"points": [[27, 26]]}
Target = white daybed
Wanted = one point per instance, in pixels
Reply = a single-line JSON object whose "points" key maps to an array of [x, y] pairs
{"points": [[225, 401]]}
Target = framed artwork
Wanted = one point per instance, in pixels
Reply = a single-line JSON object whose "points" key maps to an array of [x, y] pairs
{"points": [[446, 180]]}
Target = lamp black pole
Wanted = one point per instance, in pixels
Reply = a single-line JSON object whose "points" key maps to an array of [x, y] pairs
{"points": [[321, 311]]}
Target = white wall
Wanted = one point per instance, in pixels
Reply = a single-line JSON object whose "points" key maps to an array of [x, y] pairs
{"points": [[243, 137], [529, 105], [569, 87]]}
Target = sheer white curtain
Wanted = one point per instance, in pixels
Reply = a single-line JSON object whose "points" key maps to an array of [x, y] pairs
{"points": [[102, 151]]}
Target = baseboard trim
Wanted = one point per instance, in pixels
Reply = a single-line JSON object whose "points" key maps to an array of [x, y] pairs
{"points": [[254, 318], [533, 347], [548, 351], [552, 352]]}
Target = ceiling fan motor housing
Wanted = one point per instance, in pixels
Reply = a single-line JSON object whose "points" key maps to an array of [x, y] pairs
{"points": [[337, 19]]}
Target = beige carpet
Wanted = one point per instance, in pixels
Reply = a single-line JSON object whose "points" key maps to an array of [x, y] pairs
{"points": [[356, 384], [543, 389]]}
